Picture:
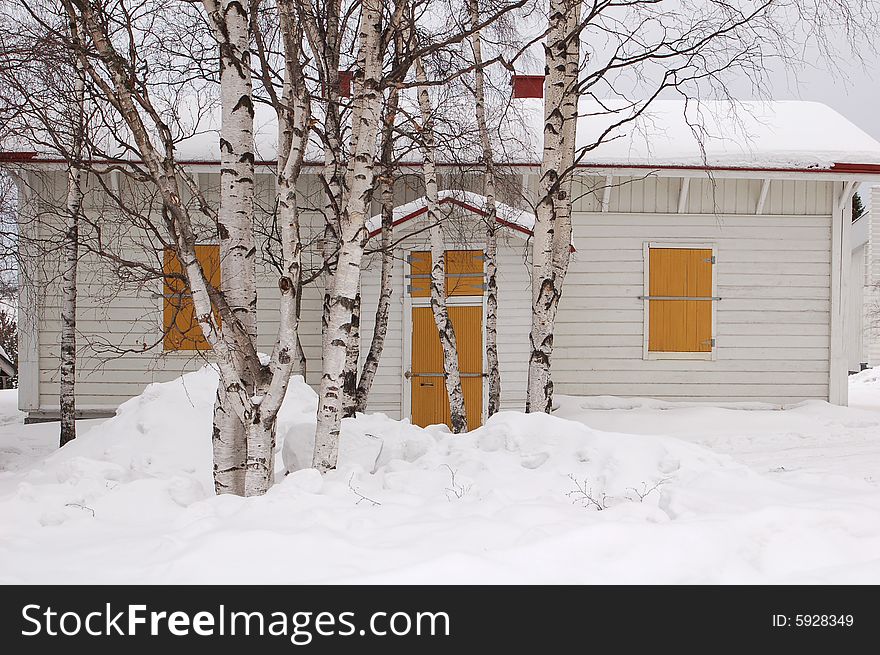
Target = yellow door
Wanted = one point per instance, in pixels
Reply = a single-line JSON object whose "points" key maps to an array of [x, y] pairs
{"points": [[430, 401], [464, 277], [680, 324]]}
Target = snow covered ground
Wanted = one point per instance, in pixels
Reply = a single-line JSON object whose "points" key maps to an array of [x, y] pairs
{"points": [[604, 490]]}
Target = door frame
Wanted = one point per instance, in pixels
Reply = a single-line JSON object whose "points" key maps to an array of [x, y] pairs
{"points": [[408, 303]]}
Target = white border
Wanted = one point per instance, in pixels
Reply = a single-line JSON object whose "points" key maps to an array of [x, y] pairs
{"points": [[647, 354]]}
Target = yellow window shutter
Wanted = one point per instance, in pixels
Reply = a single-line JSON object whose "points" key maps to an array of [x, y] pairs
{"points": [[420, 274], [181, 329], [464, 273], [680, 323]]}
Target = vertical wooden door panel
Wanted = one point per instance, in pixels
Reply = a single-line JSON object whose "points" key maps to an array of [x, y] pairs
{"points": [[430, 402]]}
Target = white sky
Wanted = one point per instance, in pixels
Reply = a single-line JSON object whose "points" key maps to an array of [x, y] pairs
{"points": [[853, 91]]}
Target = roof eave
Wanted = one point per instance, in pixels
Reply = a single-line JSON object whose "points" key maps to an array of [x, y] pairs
{"points": [[840, 170]]}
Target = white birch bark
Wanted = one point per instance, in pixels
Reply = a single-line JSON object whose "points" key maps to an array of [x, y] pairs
{"points": [[352, 359], [293, 115], [383, 306], [67, 399], [231, 26], [344, 287], [328, 44], [490, 250], [252, 391], [552, 234], [445, 329]]}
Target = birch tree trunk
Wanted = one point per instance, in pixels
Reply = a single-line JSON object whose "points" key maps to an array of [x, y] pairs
{"points": [[344, 287], [445, 329], [352, 359], [235, 217], [491, 248], [380, 324], [551, 242], [67, 398], [293, 113], [328, 44], [232, 346]]}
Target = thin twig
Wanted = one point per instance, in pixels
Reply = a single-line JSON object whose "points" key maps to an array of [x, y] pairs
{"points": [[360, 496]]}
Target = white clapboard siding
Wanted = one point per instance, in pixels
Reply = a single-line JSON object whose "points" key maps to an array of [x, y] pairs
{"points": [[773, 273], [772, 323]]}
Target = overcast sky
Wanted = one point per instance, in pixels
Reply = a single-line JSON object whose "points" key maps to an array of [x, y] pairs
{"points": [[857, 98]]}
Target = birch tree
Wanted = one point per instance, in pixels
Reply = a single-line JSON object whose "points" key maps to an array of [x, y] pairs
{"points": [[73, 206], [552, 232], [445, 328], [234, 453], [250, 388], [490, 250], [357, 196], [386, 185]]}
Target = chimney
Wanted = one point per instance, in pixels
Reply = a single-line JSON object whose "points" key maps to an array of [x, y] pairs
{"points": [[345, 78], [527, 86]]}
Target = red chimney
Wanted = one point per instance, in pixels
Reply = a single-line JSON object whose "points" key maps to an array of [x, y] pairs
{"points": [[527, 86], [345, 78]]}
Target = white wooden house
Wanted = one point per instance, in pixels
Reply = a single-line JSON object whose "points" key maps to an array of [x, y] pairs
{"points": [[709, 265]]}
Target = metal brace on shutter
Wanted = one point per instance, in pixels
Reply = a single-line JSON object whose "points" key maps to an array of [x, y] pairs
{"points": [[410, 288], [410, 374], [427, 276], [710, 260], [184, 294], [679, 297]]}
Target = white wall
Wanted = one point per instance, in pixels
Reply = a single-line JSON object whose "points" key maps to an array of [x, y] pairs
{"points": [[773, 275]]}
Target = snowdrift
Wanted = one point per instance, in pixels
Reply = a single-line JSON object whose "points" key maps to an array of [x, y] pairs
{"points": [[526, 498]]}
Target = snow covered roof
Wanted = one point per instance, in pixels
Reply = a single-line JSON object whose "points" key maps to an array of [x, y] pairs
{"points": [[786, 134], [516, 219], [783, 135], [6, 365]]}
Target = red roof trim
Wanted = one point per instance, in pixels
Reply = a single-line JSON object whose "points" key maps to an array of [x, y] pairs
{"points": [[838, 168], [17, 156]]}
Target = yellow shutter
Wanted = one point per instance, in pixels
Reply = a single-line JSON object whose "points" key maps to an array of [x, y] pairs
{"points": [[182, 331], [464, 273], [680, 325], [420, 274]]}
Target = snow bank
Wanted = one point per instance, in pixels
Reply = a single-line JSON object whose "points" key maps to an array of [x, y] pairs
{"points": [[864, 389], [526, 498]]}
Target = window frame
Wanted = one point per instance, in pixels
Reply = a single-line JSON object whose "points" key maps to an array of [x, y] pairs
{"points": [[647, 354]]}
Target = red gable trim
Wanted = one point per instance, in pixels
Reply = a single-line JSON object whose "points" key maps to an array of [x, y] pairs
{"points": [[458, 203]]}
